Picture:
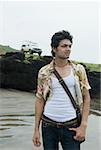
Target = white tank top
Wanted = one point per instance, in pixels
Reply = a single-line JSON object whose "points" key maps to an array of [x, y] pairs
{"points": [[59, 107]]}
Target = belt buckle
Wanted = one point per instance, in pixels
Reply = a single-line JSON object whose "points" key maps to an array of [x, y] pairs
{"points": [[60, 125]]}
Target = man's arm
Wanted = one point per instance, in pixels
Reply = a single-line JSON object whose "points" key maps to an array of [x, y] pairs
{"points": [[39, 106], [86, 107], [81, 130]]}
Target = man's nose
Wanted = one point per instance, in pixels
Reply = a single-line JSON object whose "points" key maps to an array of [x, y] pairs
{"points": [[68, 48]]}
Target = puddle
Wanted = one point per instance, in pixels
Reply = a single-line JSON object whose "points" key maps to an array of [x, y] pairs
{"points": [[7, 136]]}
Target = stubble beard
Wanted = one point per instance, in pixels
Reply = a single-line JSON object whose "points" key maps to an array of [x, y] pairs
{"points": [[63, 58]]}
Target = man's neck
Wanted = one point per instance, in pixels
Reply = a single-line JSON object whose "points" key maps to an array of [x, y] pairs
{"points": [[60, 62]]}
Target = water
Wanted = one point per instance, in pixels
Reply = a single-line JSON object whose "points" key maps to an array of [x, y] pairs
{"points": [[17, 123]]}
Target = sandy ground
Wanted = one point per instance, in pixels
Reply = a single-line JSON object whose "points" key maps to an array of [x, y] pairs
{"points": [[17, 123]]}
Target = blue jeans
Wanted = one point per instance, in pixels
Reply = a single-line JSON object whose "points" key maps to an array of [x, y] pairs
{"points": [[52, 136]]}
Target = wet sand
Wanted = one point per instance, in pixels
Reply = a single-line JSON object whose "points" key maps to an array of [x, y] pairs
{"points": [[17, 123]]}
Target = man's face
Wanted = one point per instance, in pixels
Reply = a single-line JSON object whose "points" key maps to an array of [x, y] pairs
{"points": [[63, 50]]}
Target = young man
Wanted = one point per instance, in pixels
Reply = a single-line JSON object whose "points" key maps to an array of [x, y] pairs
{"points": [[53, 106]]}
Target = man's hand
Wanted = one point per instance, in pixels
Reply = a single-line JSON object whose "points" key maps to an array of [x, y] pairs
{"points": [[36, 138], [80, 133]]}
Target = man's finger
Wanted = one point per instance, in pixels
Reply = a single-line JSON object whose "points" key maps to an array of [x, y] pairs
{"points": [[79, 138], [72, 129], [36, 142]]}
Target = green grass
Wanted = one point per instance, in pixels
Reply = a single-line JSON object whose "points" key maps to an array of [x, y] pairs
{"points": [[90, 67], [7, 49], [93, 67]]}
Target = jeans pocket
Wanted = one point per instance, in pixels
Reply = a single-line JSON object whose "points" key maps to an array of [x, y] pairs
{"points": [[79, 141]]}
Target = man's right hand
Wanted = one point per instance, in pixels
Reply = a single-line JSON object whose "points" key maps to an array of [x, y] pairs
{"points": [[36, 138]]}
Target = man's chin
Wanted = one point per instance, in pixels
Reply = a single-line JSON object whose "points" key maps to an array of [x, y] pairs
{"points": [[67, 57]]}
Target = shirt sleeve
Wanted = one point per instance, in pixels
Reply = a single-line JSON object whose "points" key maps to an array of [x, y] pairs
{"points": [[83, 77], [39, 93]]}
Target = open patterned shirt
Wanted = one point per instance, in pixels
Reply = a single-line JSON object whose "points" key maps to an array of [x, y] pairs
{"points": [[44, 90]]}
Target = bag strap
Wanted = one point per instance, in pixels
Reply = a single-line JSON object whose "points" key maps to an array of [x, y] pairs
{"points": [[61, 81]]}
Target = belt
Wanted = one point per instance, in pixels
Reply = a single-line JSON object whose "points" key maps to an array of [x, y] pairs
{"points": [[51, 122]]}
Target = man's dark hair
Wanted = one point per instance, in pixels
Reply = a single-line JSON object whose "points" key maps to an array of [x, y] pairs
{"points": [[57, 37]]}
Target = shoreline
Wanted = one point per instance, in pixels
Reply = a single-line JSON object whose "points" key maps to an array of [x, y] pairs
{"points": [[95, 105]]}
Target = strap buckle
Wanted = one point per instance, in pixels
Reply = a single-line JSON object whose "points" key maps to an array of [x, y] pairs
{"points": [[60, 80]]}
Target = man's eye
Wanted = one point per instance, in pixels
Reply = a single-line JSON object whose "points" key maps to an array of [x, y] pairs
{"points": [[64, 46]]}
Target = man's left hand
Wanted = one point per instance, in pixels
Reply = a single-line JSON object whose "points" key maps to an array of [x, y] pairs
{"points": [[80, 133]]}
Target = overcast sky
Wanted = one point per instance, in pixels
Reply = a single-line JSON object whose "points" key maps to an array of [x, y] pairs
{"points": [[37, 21]]}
